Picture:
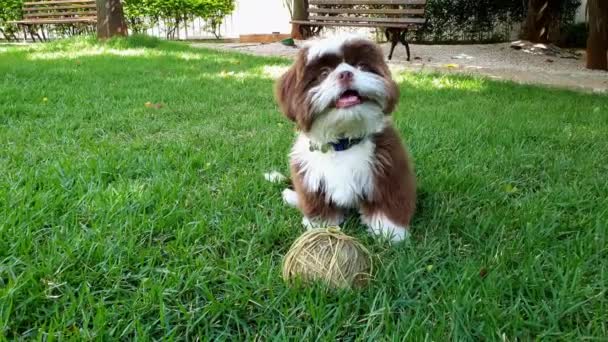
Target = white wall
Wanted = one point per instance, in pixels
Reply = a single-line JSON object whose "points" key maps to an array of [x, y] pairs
{"points": [[260, 16], [249, 17]]}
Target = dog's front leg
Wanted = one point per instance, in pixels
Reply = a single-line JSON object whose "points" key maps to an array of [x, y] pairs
{"points": [[317, 210]]}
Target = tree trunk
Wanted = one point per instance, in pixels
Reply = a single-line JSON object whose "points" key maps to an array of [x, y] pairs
{"points": [[300, 12], [542, 23], [110, 19], [597, 42], [530, 29]]}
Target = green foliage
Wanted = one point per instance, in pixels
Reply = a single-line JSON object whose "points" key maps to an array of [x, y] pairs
{"points": [[575, 36], [568, 11], [142, 14], [479, 20], [9, 10]]}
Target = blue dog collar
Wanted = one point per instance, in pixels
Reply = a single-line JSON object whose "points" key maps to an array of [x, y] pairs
{"points": [[338, 146]]}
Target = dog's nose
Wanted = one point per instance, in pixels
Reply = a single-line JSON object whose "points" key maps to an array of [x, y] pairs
{"points": [[345, 76]]}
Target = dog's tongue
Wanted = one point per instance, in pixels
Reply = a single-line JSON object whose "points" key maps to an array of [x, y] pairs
{"points": [[348, 100]]}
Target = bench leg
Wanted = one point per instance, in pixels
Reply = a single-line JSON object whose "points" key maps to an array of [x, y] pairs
{"points": [[394, 38], [308, 31], [43, 35], [404, 42], [305, 31], [24, 34], [31, 31], [35, 31]]}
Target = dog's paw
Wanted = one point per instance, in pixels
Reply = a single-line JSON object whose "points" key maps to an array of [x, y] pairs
{"points": [[392, 234], [275, 177], [290, 197], [381, 226], [312, 223]]}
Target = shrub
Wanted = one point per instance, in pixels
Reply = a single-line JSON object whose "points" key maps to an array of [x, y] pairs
{"points": [[575, 36], [9, 10], [479, 20], [142, 14]]}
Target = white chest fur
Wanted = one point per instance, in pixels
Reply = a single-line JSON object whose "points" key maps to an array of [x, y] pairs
{"points": [[346, 176]]}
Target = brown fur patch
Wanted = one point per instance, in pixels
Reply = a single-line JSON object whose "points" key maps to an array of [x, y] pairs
{"points": [[395, 184], [286, 87], [312, 204]]}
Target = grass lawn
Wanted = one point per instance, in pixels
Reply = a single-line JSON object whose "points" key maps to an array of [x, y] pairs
{"points": [[120, 219]]}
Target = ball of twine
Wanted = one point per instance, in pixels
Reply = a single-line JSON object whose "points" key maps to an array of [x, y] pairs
{"points": [[330, 256]]}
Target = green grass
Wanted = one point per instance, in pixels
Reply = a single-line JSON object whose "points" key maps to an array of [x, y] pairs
{"points": [[122, 221]]}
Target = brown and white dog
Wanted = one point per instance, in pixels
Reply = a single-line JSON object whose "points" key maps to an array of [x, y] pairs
{"points": [[347, 155]]}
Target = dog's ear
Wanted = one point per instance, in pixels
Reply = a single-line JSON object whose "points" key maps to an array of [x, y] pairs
{"points": [[285, 92], [287, 85], [392, 89], [392, 96]]}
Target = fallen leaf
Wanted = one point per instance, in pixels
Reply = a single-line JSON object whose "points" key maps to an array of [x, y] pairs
{"points": [[483, 273], [153, 105], [451, 66], [45, 99], [511, 189], [429, 268]]}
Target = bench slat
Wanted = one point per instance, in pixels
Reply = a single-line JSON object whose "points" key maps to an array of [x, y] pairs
{"points": [[74, 7], [61, 14], [57, 2], [419, 11], [406, 20], [351, 24], [367, 2], [56, 21]]}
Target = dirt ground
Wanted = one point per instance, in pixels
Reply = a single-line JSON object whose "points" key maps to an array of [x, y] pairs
{"points": [[496, 61]]}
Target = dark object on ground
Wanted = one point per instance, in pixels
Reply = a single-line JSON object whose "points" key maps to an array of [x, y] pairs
{"points": [[544, 49], [288, 42]]}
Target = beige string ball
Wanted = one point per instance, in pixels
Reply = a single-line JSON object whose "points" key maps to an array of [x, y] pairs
{"points": [[330, 256]]}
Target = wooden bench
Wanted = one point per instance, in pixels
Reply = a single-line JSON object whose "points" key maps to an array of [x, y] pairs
{"points": [[56, 12], [396, 17]]}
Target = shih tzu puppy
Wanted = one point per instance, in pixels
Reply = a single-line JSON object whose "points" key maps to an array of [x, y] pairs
{"points": [[347, 155]]}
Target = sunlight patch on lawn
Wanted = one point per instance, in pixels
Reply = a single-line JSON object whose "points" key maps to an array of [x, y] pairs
{"points": [[89, 51], [238, 75], [274, 71], [195, 56], [231, 75], [39, 52], [441, 81], [269, 72]]}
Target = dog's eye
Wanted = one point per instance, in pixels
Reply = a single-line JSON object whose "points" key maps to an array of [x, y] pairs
{"points": [[363, 67], [324, 72]]}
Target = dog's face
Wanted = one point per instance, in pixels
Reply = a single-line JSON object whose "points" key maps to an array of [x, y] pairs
{"points": [[338, 87]]}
